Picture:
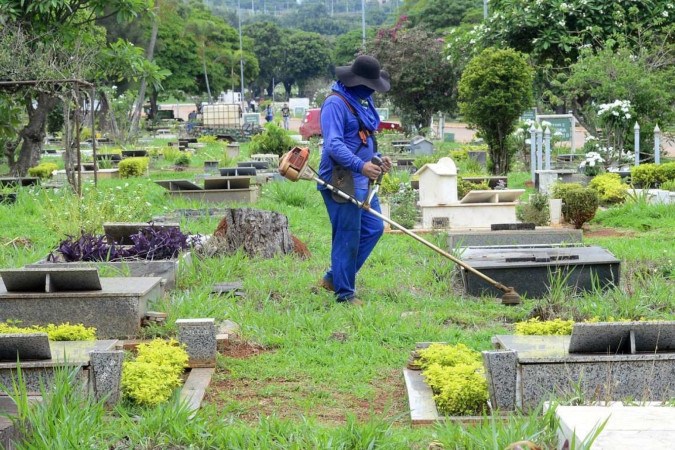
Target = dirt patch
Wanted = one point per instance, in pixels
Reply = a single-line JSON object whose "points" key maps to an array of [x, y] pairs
{"points": [[251, 399], [606, 232], [241, 349]]}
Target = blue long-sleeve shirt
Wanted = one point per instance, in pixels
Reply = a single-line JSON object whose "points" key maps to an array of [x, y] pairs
{"points": [[341, 142]]}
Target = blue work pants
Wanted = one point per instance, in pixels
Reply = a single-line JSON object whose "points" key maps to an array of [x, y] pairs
{"points": [[355, 233]]}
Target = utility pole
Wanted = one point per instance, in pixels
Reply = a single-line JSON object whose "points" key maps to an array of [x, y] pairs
{"points": [[363, 24], [241, 54]]}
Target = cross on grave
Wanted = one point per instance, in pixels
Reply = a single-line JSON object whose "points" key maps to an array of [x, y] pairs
{"points": [[51, 279]]}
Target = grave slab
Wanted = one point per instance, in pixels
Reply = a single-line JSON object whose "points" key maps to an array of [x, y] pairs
{"points": [[249, 195], [120, 232], [178, 185], [237, 171], [70, 354], [24, 347], [242, 182], [42, 279], [617, 337], [115, 311], [530, 269], [166, 269], [538, 236], [649, 427], [546, 368]]}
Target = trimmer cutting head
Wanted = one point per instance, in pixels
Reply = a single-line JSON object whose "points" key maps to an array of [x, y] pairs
{"points": [[294, 165], [510, 297]]}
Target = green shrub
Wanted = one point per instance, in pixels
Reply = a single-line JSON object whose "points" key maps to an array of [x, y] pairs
{"points": [[610, 188], [548, 327], [456, 376], [43, 170], [646, 175], [62, 332], [207, 139], [581, 205], [183, 160], [273, 140], [536, 211], [420, 161], [163, 353], [667, 172], [390, 184], [560, 190], [403, 209], [668, 185], [447, 355], [133, 167], [156, 372], [463, 187], [171, 153]]}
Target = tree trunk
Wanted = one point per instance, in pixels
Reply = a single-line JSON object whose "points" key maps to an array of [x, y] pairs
{"points": [[33, 134], [149, 54], [255, 232]]}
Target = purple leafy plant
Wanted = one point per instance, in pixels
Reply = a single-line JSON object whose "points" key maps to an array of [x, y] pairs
{"points": [[150, 243]]}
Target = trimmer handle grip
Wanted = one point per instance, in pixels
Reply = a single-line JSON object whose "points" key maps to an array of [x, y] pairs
{"points": [[378, 162]]}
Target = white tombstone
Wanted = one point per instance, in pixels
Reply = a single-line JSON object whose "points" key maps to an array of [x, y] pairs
{"points": [[438, 183]]}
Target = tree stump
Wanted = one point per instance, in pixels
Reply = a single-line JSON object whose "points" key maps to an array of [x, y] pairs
{"points": [[258, 233]]}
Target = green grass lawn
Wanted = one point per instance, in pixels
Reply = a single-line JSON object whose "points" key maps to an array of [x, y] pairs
{"points": [[307, 372]]}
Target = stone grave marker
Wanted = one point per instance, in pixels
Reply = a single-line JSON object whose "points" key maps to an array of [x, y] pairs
{"points": [[260, 165], [178, 185], [24, 347], [51, 280], [227, 183], [237, 171], [199, 337], [623, 337]]}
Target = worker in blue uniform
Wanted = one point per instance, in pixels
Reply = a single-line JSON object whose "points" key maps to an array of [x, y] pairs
{"points": [[349, 121]]}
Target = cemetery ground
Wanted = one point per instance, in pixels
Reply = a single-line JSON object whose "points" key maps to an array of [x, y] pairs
{"points": [[303, 371]]}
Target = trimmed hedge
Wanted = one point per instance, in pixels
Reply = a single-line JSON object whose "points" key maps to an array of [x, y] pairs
{"points": [[133, 167]]}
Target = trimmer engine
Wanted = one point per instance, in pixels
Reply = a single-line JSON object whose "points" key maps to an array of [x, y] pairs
{"points": [[294, 165]]}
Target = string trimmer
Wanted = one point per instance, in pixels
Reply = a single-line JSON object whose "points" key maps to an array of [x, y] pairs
{"points": [[294, 166]]}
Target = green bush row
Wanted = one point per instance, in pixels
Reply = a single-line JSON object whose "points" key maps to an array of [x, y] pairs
{"points": [[62, 332], [456, 376], [42, 170], [151, 378], [651, 175], [610, 188]]}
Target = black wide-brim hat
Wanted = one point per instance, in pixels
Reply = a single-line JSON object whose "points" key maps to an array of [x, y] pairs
{"points": [[366, 71]]}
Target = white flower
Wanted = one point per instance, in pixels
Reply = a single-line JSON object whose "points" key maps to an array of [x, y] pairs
{"points": [[628, 116], [664, 13]]}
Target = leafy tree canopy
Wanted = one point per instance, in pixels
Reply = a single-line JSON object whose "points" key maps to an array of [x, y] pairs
{"points": [[422, 79], [435, 15], [495, 89]]}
